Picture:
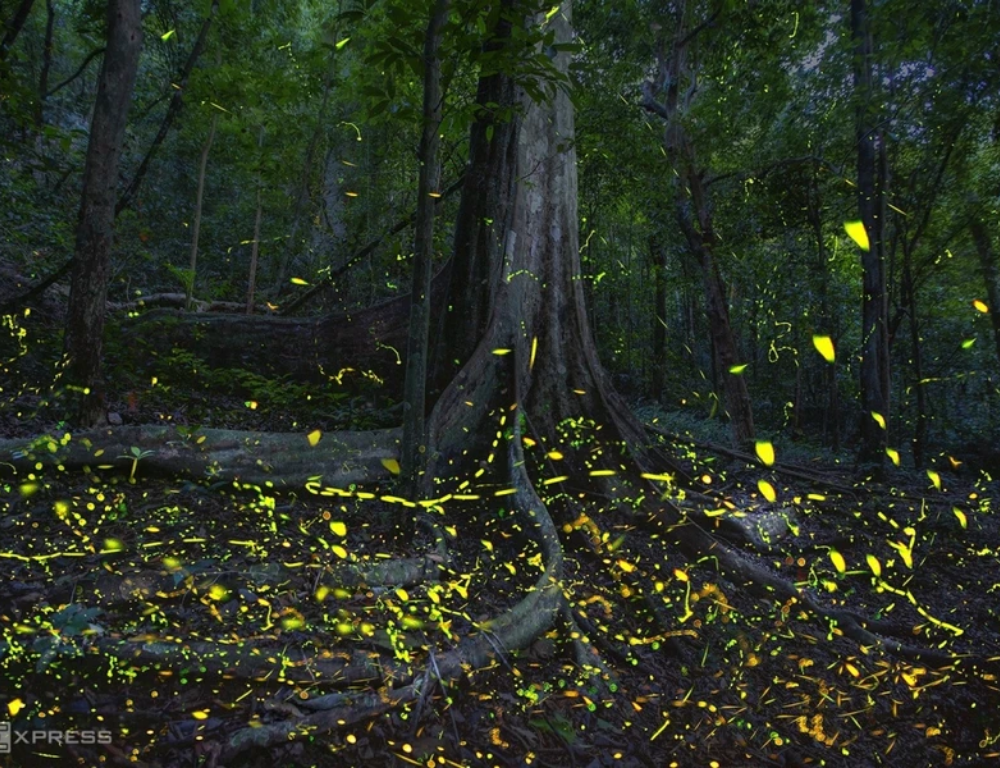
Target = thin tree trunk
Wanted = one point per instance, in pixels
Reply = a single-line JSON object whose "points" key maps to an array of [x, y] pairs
{"points": [[88, 290], [173, 110], [831, 414], [43, 78], [910, 297], [874, 311], [414, 448], [13, 27], [694, 216], [658, 258], [196, 226], [255, 248]]}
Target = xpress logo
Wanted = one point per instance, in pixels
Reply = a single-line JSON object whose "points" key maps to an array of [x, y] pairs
{"points": [[9, 737]]}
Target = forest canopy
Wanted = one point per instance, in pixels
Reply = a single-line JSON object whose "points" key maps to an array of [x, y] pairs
{"points": [[473, 382]]}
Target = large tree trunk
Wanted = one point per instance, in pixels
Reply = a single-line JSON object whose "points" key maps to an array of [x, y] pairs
{"points": [[535, 362], [88, 290], [874, 308]]}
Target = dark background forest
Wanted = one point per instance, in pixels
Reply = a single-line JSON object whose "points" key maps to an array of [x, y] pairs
{"points": [[499, 383]]}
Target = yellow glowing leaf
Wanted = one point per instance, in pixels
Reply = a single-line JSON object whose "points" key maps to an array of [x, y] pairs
{"points": [[893, 454], [251, 404], [960, 515], [856, 231], [765, 452], [28, 489], [339, 551], [838, 561], [14, 706], [935, 478], [392, 465], [501, 351], [980, 305], [112, 545], [767, 490], [402, 594], [321, 593], [852, 670], [680, 575], [626, 566], [487, 544], [736, 370], [967, 343], [167, 35], [299, 281], [874, 564], [338, 528], [314, 437], [824, 345], [554, 455], [534, 349], [879, 418], [201, 714]]}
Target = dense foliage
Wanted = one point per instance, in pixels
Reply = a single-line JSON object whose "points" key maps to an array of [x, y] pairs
{"points": [[271, 167]]}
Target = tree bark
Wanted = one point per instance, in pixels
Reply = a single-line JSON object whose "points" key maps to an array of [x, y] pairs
{"points": [[871, 194], [88, 291], [428, 189]]}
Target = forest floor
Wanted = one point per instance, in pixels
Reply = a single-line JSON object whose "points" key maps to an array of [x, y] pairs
{"points": [[98, 568]]}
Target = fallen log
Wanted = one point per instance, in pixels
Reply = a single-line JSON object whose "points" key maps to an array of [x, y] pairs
{"points": [[280, 459]]}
